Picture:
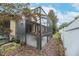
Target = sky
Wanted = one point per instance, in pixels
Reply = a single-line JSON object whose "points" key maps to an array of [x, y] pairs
{"points": [[65, 12]]}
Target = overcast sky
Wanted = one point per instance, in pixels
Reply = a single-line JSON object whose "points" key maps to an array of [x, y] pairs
{"points": [[65, 12]]}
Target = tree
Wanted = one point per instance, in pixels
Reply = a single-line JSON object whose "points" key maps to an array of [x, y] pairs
{"points": [[7, 13], [63, 25], [13, 8], [15, 11], [28, 13], [54, 19]]}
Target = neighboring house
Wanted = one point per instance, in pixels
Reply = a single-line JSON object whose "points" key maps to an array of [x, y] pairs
{"points": [[33, 33], [70, 38]]}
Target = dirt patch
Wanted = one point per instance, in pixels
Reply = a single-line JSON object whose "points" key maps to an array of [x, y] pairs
{"points": [[51, 49]]}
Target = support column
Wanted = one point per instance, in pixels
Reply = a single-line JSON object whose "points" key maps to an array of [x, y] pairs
{"points": [[25, 34], [39, 44], [13, 28]]}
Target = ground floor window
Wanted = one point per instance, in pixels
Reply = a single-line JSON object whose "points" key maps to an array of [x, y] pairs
{"points": [[5, 26], [28, 28]]}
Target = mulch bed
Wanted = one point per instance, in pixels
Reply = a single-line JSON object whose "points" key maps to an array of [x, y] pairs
{"points": [[49, 50]]}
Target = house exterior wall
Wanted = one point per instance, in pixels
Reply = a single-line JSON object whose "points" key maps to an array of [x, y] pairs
{"points": [[44, 41], [20, 34], [20, 30], [31, 40], [70, 39]]}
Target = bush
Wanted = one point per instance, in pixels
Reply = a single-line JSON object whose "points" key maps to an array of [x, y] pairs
{"points": [[9, 47], [15, 40], [60, 47], [57, 37]]}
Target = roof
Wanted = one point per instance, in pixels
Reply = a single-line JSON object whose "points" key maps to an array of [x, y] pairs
{"points": [[76, 18], [73, 28]]}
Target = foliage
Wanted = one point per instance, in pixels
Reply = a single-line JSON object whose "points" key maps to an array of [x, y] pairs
{"points": [[9, 47], [9, 12], [57, 36], [54, 19], [15, 40], [60, 48], [63, 25], [27, 12], [13, 8]]}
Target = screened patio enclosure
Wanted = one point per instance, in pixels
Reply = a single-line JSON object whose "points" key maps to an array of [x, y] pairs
{"points": [[35, 32]]}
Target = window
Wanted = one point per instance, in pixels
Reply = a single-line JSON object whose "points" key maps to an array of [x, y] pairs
{"points": [[6, 24], [28, 28]]}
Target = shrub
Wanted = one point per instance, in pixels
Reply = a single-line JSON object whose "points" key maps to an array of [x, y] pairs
{"points": [[60, 47], [15, 40], [9, 47], [57, 37]]}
